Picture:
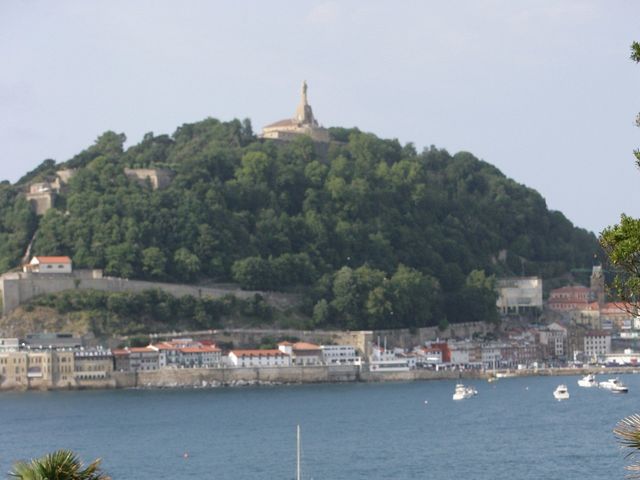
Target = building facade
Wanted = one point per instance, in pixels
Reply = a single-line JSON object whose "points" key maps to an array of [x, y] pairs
{"points": [[519, 295]]}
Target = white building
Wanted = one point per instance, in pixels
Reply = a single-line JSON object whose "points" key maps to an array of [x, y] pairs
{"points": [[9, 344], [628, 357], [519, 295], [492, 355], [200, 356], [340, 355], [382, 360], [42, 264], [597, 344], [427, 356], [258, 358]]}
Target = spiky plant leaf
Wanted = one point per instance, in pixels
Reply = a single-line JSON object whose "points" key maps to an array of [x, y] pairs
{"points": [[628, 432]]}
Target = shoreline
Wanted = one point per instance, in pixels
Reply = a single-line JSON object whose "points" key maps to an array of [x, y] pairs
{"points": [[203, 378]]}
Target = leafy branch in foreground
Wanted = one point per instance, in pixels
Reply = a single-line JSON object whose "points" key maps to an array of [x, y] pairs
{"points": [[59, 465]]}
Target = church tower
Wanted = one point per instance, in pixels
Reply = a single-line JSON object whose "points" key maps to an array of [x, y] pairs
{"points": [[303, 123], [304, 113], [597, 285]]}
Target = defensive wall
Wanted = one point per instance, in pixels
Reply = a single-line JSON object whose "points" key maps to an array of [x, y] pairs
{"points": [[19, 287]]}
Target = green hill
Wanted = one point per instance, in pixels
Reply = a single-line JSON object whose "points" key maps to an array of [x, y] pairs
{"points": [[373, 233]]}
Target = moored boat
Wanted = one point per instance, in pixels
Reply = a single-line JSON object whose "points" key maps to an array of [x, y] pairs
{"points": [[588, 381], [461, 392], [561, 392], [614, 385]]}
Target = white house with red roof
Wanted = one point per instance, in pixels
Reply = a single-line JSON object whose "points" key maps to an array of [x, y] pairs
{"points": [[200, 356], [187, 353], [305, 353], [42, 264], [258, 358]]}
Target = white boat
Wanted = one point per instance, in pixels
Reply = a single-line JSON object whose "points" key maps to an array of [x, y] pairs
{"points": [[463, 392], [588, 381], [614, 385], [561, 392]]}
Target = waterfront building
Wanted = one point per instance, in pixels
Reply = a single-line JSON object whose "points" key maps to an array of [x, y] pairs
{"points": [[41, 264], [92, 364], [305, 353], [627, 357], [13, 369], [259, 358], [383, 360], [519, 295], [200, 356], [168, 354], [340, 355], [428, 357], [466, 353], [36, 368], [597, 344], [136, 359], [492, 354]]}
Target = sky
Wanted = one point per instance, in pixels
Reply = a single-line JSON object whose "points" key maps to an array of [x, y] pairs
{"points": [[542, 89]]}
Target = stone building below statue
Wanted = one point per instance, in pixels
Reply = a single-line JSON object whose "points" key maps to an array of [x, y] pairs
{"points": [[304, 123]]}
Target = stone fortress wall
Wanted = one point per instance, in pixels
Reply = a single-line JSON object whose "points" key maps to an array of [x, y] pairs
{"points": [[19, 287]]}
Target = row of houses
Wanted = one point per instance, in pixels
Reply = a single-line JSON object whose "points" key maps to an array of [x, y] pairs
{"points": [[187, 353]]}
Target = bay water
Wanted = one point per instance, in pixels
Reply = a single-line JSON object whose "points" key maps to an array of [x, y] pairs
{"points": [[513, 429]]}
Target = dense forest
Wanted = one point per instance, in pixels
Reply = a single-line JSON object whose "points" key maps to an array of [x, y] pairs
{"points": [[373, 233]]}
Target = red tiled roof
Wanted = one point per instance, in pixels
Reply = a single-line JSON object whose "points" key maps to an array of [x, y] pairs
{"points": [[305, 346], [141, 350], [257, 353], [52, 259], [202, 349]]}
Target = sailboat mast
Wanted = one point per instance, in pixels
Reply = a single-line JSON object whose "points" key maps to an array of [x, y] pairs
{"points": [[298, 477]]}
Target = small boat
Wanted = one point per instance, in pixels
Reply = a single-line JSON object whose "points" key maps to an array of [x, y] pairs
{"points": [[561, 392], [588, 381], [614, 385], [463, 392]]}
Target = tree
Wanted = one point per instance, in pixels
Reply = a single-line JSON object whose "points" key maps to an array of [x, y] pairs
{"points": [[154, 262], [59, 465], [187, 264], [621, 242]]}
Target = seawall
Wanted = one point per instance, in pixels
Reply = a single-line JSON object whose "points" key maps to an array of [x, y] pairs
{"points": [[214, 377]]}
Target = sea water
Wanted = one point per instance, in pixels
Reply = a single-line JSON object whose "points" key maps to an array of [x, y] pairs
{"points": [[513, 429]]}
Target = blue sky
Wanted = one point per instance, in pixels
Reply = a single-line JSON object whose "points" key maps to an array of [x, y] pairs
{"points": [[543, 89]]}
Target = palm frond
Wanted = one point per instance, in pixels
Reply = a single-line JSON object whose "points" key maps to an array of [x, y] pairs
{"points": [[628, 432], [59, 465]]}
